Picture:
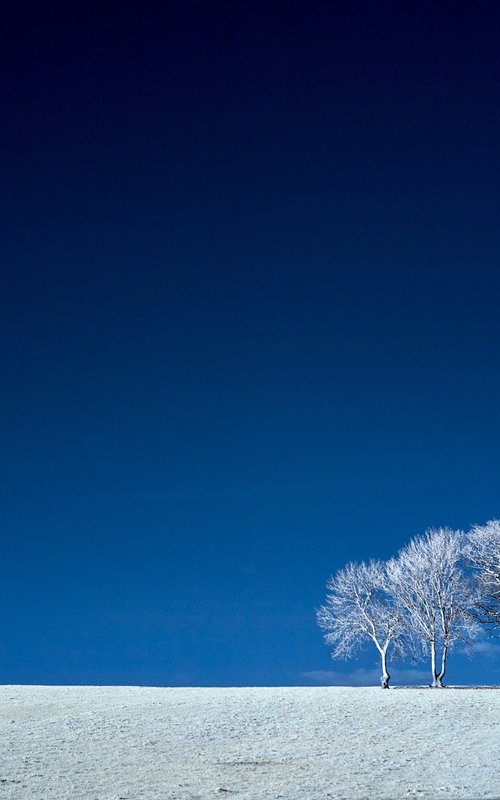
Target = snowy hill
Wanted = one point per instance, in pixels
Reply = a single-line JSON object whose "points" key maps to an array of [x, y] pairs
{"points": [[128, 743]]}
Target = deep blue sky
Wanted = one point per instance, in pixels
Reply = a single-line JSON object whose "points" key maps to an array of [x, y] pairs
{"points": [[250, 324]]}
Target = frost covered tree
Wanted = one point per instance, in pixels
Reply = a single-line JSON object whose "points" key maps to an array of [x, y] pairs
{"points": [[483, 553], [434, 593], [358, 608]]}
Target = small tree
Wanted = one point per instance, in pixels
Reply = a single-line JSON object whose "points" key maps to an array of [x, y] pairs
{"points": [[358, 608], [432, 589], [483, 553]]}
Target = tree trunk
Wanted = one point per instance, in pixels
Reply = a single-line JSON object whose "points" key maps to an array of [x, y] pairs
{"points": [[385, 678], [437, 677], [442, 672], [433, 664]]}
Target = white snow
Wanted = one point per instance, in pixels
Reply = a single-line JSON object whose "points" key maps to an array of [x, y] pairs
{"points": [[111, 743]]}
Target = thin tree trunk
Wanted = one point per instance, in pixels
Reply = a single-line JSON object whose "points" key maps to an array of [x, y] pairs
{"points": [[385, 678], [442, 672], [433, 664]]}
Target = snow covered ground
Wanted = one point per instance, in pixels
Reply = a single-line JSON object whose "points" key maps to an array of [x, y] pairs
{"points": [[93, 743]]}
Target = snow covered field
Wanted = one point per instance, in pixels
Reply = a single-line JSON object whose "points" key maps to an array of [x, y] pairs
{"points": [[92, 743]]}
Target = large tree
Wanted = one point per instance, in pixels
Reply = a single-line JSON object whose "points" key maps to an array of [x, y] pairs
{"points": [[358, 609], [430, 586], [483, 553]]}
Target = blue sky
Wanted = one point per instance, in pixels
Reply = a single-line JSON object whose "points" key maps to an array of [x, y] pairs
{"points": [[249, 327]]}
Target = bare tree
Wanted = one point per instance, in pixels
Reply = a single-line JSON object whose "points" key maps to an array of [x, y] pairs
{"points": [[430, 586], [483, 553], [358, 608]]}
